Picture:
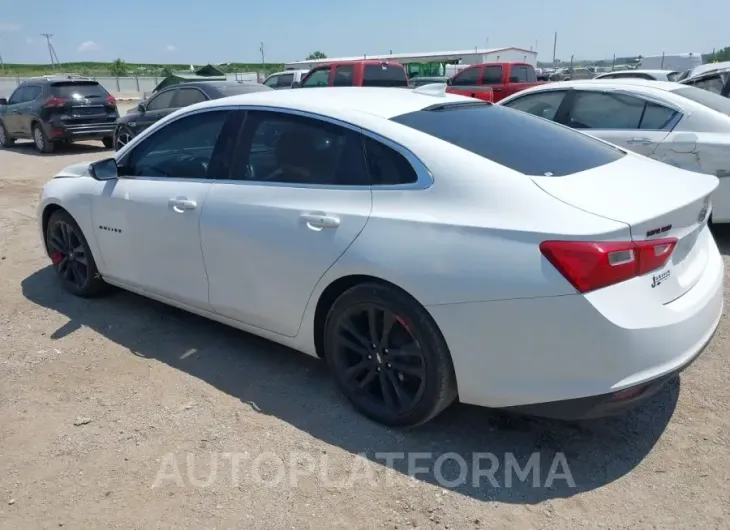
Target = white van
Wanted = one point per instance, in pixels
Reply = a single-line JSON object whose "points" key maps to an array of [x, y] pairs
{"points": [[285, 79], [678, 62]]}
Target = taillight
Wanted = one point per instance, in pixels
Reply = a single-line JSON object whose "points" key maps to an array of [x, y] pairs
{"points": [[111, 100], [54, 102], [590, 265]]}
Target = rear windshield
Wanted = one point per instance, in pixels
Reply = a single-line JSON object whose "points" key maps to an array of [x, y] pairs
{"points": [[388, 75], [706, 98], [76, 89], [518, 140]]}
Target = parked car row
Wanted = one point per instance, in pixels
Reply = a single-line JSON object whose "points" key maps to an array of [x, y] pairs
{"points": [[301, 216]]}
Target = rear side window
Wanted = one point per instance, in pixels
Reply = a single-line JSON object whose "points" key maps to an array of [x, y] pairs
{"points": [[386, 166], [76, 89], [504, 136], [468, 77], [188, 96], [386, 75], [706, 98], [492, 75]]}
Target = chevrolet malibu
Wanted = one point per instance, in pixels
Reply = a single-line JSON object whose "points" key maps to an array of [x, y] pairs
{"points": [[428, 247]]}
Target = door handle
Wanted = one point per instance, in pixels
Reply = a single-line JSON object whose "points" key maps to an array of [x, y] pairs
{"points": [[180, 205], [640, 141], [317, 220]]}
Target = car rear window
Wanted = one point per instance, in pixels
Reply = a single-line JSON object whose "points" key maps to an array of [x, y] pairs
{"points": [[515, 139], [706, 98], [84, 89], [387, 75]]}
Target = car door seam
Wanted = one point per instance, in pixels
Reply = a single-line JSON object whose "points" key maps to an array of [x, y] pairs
{"points": [[316, 284], [200, 239]]}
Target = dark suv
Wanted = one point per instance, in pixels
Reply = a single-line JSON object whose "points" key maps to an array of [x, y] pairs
{"points": [[54, 109]]}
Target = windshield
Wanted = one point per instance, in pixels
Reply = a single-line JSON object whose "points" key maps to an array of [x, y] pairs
{"points": [[515, 139], [706, 98]]}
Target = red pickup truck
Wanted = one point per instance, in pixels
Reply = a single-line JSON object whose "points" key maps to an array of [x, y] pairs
{"points": [[492, 81], [356, 73]]}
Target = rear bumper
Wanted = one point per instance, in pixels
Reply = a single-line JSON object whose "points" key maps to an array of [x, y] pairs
{"points": [[83, 131], [568, 356]]}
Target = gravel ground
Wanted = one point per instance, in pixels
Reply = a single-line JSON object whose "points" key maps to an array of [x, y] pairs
{"points": [[124, 413]]}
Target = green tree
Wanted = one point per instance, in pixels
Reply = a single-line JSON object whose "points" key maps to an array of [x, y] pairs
{"points": [[167, 70], [316, 55], [118, 68]]}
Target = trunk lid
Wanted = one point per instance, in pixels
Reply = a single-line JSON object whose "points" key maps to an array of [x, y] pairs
{"points": [[656, 201]]}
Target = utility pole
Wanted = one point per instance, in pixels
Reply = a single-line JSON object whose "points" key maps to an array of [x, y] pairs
{"points": [[51, 50], [555, 45], [2, 64], [263, 60]]}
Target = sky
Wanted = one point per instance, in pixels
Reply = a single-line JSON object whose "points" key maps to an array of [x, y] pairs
{"points": [[217, 31]]}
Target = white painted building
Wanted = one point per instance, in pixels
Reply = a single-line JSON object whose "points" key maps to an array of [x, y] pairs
{"points": [[464, 57]]}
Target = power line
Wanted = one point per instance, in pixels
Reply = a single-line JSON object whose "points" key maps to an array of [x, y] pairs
{"points": [[51, 50]]}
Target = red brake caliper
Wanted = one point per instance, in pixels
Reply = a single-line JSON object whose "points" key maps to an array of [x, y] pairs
{"points": [[56, 257]]}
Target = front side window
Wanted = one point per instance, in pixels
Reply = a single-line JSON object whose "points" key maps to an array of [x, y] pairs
{"points": [[318, 77], [180, 149], [272, 81], [518, 74], [605, 110], [285, 81], [161, 101], [188, 96], [713, 84], [468, 77], [543, 104], [505, 136], [296, 150]]}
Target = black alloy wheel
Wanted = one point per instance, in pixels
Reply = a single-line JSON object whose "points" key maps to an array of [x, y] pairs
{"points": [[71, 257], [122, 137], [388, 357]]}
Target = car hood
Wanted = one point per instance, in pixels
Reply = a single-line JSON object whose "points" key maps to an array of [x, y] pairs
{"points": [[76, 170]]}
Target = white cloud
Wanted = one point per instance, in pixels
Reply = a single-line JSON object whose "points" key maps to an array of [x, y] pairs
{"points": [[7, 27], [89, 46], [170, 48]]}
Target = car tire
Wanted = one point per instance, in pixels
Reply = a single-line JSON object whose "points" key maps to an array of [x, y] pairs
{"points": [[407, 376], [71, 256], [122, 137], [5, 140], [41, 141], [108, 142]]}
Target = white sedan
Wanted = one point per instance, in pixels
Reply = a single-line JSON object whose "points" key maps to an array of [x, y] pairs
{"points": [[428, 246], [674, 123]]}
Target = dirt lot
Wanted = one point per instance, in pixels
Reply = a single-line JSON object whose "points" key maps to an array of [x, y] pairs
{"points": [[102, 402]]}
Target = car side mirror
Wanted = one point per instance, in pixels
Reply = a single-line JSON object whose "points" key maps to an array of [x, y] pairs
{"points": [[449, 82], [141, 108], [3, 101], [104, 169], [296, 84]]}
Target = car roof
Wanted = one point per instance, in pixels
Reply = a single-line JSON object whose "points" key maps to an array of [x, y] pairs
{"points": [[637, 84], [343, 102], [628, 72]]}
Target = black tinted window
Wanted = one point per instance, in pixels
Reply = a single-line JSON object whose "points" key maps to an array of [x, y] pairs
{"points": [[387, 75], [506, 136], [518, 74], [290, 149], [240, 88], [492, 75], [181, 149], [163, 100], [706, 98], [188, 96], [467, 77], [386, 166], [84, 89], [656, 117], [605, 110], [343, 75], [17, 96]]}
